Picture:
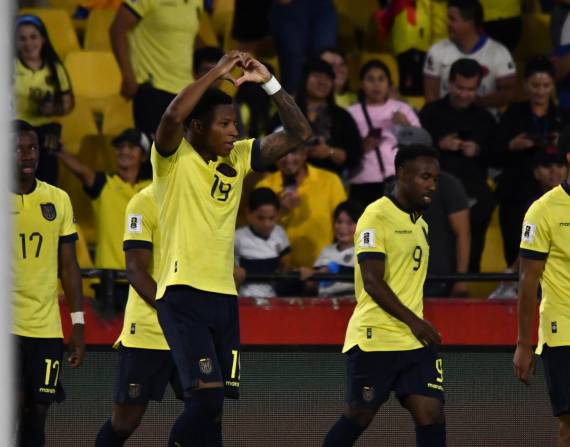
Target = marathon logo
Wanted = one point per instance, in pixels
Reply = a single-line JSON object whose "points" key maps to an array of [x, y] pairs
{"points": [[47, 390]]}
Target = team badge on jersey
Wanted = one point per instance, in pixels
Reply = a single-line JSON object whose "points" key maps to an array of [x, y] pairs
{"points": [[48, 211], [135, 223], [205, 365]]}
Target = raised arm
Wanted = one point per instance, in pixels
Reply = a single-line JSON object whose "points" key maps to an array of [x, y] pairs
{"points": [[138, 262], [125, 20], [83, 172]]}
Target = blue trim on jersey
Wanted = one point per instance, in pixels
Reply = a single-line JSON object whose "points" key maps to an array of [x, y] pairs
{"points": [[561, 50], [130, 244], [480, 43], [376, 255], [256, 163], [531, 254], [68, 238], [94, 191]]}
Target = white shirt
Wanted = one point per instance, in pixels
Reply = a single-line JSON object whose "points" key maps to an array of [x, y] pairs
{"points": [[342, 258]]}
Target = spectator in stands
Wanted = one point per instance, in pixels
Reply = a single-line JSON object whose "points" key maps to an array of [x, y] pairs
{"points": [[560, 34], [525, 128], [41, 89], [463, 131], [250, 25], [503, 21], [378, 118], [342, 95], [301, 28], [153, 44], [498, 84], [204, 59], [336, 144], [262, 245]]}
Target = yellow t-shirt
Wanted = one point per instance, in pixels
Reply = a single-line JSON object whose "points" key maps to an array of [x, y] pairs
{"points": [[198, 203], [162, 43], [110, 195], [546, 235], [141, 328], [405, 35], [31, 87], [310, 226], [385, 231], [42, 220], [504, 9]]}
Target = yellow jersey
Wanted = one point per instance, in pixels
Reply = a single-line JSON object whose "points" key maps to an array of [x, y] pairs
{"points": [[141, 328], [110, 195], [42, 220], [31, 87], [198, 203], [386, 231], [310, 226], [162, 43], [546, 236]]}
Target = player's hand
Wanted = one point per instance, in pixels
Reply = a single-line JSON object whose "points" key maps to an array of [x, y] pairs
{"points": [[449, 143], [226, 64], [469, 148], [521, 142], [76, 346], [253, 71], [129, 87], [424, 331], [524, 362]]}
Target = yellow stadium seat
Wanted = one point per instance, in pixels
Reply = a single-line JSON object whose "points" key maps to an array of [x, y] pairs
{"points": [[97, 30], [68, 5], [59, 28], [94, 75], [536, 35], [117, 116], [416, 102], [77, 124]]}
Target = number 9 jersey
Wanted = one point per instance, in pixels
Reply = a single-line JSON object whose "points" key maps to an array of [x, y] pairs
{"points": [[388, 233], [42, 220]]}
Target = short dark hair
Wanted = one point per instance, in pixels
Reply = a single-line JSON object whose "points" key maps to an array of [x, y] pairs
{"points": [[412, 152], [350, 207], [262, 196], [204, 110], [375, 63], [539, 64], [467, 68], [22, 126], [207, 54], [469, 10]]}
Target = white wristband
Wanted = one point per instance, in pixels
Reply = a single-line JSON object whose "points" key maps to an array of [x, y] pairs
{"points": [[272, 86], [77, 317]]}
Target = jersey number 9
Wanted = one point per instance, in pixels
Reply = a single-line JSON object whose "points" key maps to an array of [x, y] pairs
{"points": [[417, 257]]}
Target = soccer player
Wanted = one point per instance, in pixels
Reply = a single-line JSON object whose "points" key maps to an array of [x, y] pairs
{"points": [[145, 364], [545, 260], [43, 248], [389, 346], [198, 170]]}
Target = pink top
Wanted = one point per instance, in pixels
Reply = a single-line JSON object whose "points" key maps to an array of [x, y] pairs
{"points": [[381, 117]]}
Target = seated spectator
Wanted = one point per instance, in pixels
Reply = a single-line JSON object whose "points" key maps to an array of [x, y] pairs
{"points": [[378, 117], [338, 257], [463, 131], [336, 144], [498, 84], [42, 90], [342, 95], [261, 246], [525, 128], [308, 196]]}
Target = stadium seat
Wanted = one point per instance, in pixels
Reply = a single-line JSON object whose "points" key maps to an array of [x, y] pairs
{"points": [[416, 102], [59, 27], [68, 5], [77, 124], [117, 116], [97, 30], [95, 75]]}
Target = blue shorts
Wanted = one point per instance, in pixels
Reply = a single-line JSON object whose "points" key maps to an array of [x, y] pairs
{"points": [[39, 368], [556, 362], [144, 374], [202, 330], [373, 375]]}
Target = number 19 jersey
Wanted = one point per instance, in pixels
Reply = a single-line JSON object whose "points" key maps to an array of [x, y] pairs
{"points": [[387, 232]]}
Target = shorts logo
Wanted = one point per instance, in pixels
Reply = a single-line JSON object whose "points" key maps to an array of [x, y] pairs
{"points": [[529, 231], [48, 211], [368, 393], [134, 390], [368, 239], [205, 365], [135, 223]]}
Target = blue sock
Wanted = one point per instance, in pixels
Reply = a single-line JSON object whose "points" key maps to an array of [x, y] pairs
{"points": [[107, 437], [200, 424], [343, 434], [431, 435]]}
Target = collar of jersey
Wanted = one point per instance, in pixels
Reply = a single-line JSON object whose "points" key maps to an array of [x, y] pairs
{"points": [[480, 43], [258, 235], [414, 215]]}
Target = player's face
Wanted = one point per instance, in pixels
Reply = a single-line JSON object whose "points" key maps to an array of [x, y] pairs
{"points": [[539, 87], [129, 155], [344, 228], [293, 162], [29, 42], [463, 91], [551, 175], [263, 219], [420, 179], [339, 66], [319, 85], [27, 154], [222, 132], [457, 27], [375, 85]]}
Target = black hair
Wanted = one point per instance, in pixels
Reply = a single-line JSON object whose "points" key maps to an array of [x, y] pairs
{"points": [[539, 64], [22, 126], [371, 64], [412, 152], [313, 66], [467, 68], [469, 10], [342, 54], [204, 110], [48, 54], [350, 207], [207, 54], [262, 196]]}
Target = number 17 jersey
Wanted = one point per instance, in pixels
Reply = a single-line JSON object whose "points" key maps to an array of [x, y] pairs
{"points": [[387, 232]]}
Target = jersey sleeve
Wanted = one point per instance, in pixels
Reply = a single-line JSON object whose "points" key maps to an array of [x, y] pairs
{"points": [[536, 235], [162, 166], [369, 238], [68, 230], [139, 223], [432, 65], [241, 155], [504, 63], [139, 7], [323, 258], [63, 79]]}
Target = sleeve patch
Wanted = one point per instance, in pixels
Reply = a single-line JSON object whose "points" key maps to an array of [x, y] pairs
{"points": [[134, 223], [529, 231], [367, 239]]}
